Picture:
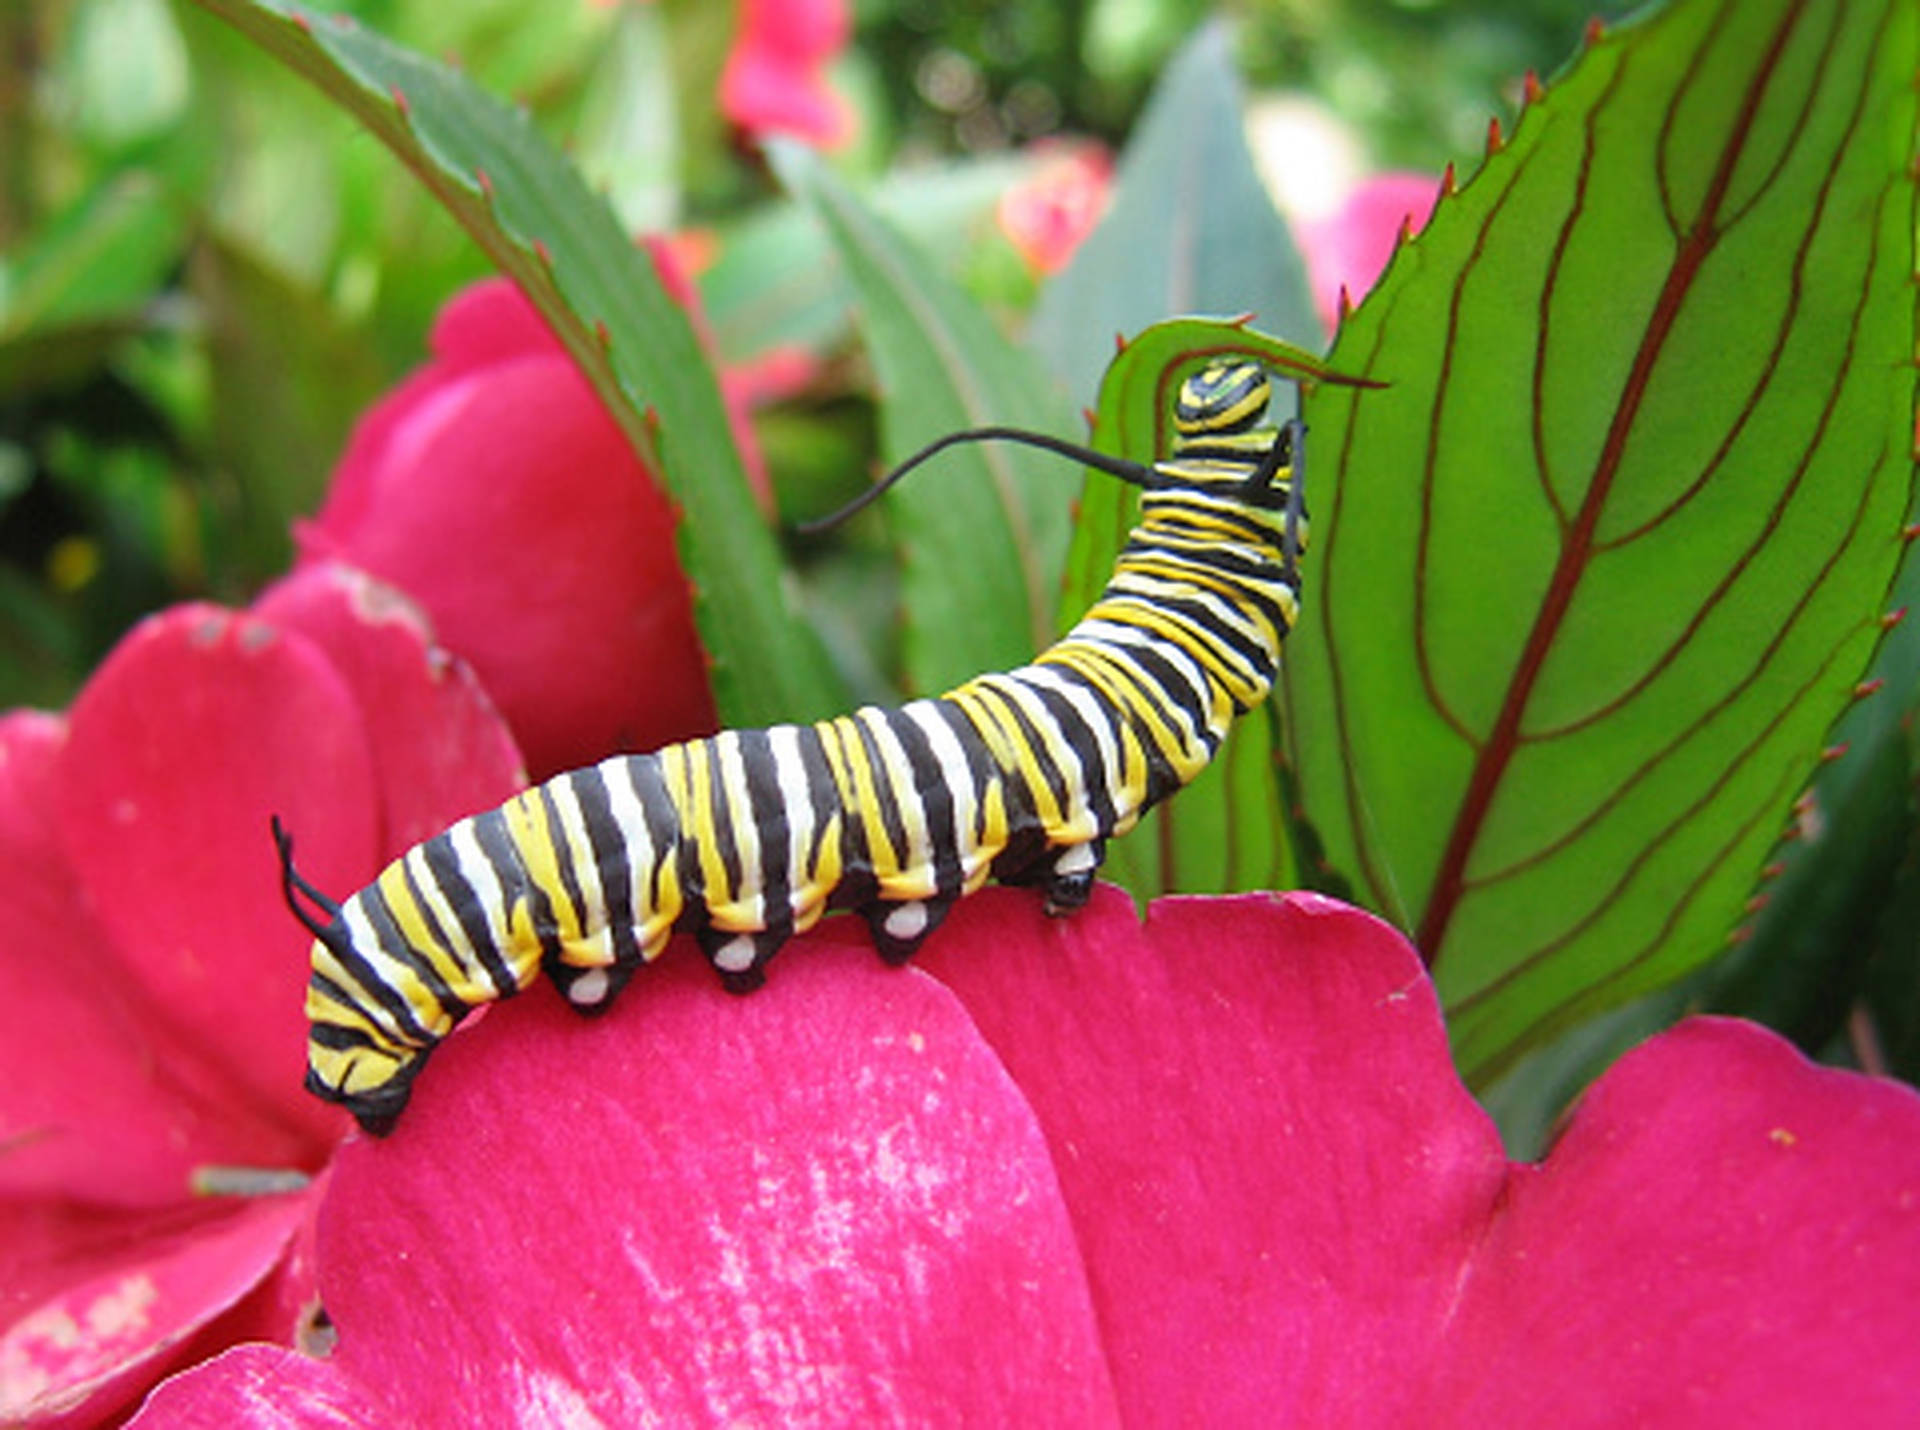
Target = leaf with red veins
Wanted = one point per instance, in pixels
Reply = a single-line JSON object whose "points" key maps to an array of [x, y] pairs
{"points": [[201, 724], [96, 1101], [827, 1202], [261, 1388], [93, 1313], [440, 749]]}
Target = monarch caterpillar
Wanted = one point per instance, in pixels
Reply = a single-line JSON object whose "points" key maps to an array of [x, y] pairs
{"points": [[748, 837]]}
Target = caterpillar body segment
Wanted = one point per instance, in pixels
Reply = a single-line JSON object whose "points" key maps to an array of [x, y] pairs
{"points": [[749, 837]]}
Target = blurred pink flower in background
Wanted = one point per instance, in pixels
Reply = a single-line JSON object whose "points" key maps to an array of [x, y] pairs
{"points": [[1047, 214], [1213, 1170], [154, 979], [775, 77], [494, 489], [1347, 249], [1345, 217]]}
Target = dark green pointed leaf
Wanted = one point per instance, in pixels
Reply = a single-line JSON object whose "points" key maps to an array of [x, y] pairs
{"points": [[1603, 564], [539, 222], [983, 533], [1191, 229]]}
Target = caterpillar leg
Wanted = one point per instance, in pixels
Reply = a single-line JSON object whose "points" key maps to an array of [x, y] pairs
{"points": [[591, 991], [1069, 882], [899, 929], [740, 958]]}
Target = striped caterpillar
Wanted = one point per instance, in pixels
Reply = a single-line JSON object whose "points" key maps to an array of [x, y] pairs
{"points": [[747, 838]]}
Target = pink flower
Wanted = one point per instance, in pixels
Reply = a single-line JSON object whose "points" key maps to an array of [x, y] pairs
{"points": [[1216, 1170], [775, 82], [1348, 249], [153, 979], [494, 489], [1047, 214]]}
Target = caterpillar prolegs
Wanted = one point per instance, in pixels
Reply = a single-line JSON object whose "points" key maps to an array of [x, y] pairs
{"points": [[749, 837]]}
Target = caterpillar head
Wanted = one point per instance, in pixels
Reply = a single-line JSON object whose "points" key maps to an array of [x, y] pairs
{"points": [[351, 1059], [1222, 399]]}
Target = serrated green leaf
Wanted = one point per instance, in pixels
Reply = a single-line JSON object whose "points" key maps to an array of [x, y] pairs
{"points": [[1604, 562], [984, 534], [541, 225], [777, 281], [1191, 229]]}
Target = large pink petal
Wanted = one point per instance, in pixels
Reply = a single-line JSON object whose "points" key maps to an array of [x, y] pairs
{"points": [[96, 1102], [825, 1203], [440, 749], [262, 1388], [1267, 1155], [509, 505], [1725, 1234], [1276, 1176], [101, 1304], [198, 726]]}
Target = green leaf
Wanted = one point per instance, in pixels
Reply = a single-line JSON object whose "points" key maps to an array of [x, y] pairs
{"points": [[1191, 229], [541, 225], [1604, 563], [777, 280], [1225, 831], [984, 533]]}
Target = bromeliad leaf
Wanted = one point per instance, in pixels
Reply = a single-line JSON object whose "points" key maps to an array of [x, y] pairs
{"points": [[984, 538], [540, 223], [1606, 560]]}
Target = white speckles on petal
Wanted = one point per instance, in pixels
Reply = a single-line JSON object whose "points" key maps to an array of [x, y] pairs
{"points": [[543, 1398]]}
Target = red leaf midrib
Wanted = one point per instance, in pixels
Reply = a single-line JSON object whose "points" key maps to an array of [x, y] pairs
{"points": [[1502, 741]]}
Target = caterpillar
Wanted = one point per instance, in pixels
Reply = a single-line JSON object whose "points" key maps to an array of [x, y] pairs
{"points": [[749, 837]]}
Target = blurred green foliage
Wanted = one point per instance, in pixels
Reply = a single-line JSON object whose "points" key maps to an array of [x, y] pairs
{"points": [[207, 272]]}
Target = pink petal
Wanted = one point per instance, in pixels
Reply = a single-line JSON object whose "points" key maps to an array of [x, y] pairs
{"points": [[440, 749], [199, 725], [1725, 1234], [486, 323], [105, 1304], [766, 93], [506, 501], [97, 1103], [1048, 213], [773, 83], [1276, 1175], [1349, 249], [824, 1203], [1259, 1132], [262, 1388]]}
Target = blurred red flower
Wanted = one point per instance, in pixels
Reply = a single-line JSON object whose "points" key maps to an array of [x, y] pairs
{"points": [[775, 81], [1048, 213], [1213, 1170], [1347, 250], [494, 489], [153, 978]]}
